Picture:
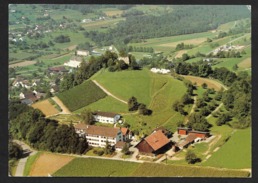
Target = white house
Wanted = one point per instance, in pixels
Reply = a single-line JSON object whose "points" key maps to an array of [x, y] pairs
{"points": [[98, 135], [106, 117], [162, 71], [82, 52]]}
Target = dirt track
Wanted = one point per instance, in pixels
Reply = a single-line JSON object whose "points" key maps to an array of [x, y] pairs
{"points": [[22, 64], [107, 92], [65, 110]]}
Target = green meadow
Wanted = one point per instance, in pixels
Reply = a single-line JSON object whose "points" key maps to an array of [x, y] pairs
{"points": [[91, 167]]}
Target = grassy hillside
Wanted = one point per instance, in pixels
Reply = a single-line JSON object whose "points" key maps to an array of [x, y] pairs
{"points": [[81, 95], [156, 90], [235, 153], [106, 104], [126, 84], [114, 168]]}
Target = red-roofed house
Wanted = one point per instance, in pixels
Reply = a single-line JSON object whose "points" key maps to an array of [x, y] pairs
{"points": [[127, 134], [153, 144]]}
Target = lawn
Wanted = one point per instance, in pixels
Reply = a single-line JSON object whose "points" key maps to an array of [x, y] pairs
{"points": [[92, 167], [235, 153], [81, 95], [67, 118]]}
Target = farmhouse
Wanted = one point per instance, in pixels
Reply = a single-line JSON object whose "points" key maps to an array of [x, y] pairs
{"points": [[164, 131], [82, 52], [106, 117], [154, 144], [98, 135]]}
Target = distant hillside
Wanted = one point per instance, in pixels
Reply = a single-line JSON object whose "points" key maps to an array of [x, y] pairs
{"points": [[184, 19]]}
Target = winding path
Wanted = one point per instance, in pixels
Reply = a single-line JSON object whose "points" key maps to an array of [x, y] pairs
{"points": [[65, 110], [107, 92], [22, 162]]}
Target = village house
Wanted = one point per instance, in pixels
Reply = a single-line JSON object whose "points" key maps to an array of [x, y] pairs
{"points": [[82, 53], [154, 144], [98, 135], [28, 97], [106, 117], [57, 70]]}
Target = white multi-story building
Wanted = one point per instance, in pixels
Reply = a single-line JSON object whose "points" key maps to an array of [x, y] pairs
{"points": [[106, 117], [98, 135]]}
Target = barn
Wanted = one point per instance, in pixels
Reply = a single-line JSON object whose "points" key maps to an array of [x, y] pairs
{"points": [[154, 144], [200, 134], [183, 130]]}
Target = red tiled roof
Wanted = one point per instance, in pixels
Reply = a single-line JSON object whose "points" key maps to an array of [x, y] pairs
{"points": [[157, 140], [124, 130], [98, 130], [106, 114]]}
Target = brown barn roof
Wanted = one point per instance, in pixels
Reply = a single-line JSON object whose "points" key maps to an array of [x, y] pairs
{"points": [[157, 140], [190, 138], [98, 130], [106, 114]]}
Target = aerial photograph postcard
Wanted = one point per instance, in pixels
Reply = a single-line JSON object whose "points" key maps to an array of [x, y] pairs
{"points": [[129, 90]]}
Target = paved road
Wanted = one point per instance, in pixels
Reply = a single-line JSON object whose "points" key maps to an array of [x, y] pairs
{"points": [[65, 110], [22, 161], [107, 92]]}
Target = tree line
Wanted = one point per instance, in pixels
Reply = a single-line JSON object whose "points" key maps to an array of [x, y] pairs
{"points": [[30, 125], [93, 65]]}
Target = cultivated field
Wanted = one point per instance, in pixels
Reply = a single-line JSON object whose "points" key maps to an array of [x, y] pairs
{"points": [[46, 107], [81, 95], [114, 168], [189, 41], [22, 64], [199, 81], [48, 163], [111, 13]]}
